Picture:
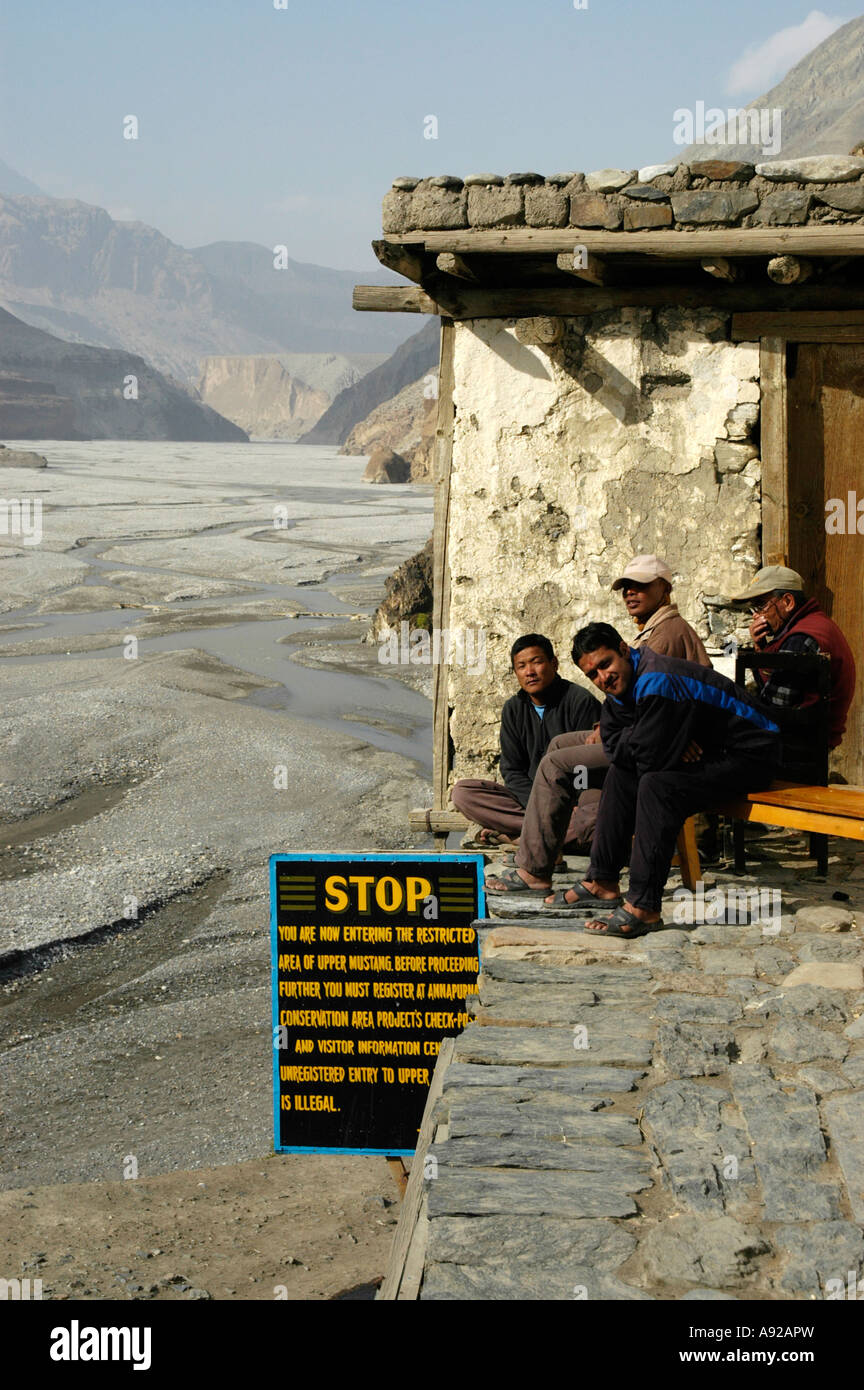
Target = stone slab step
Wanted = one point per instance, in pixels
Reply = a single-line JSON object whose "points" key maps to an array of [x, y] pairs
{"points": [[547, 1047], [587, 1079], [521, 1151]]}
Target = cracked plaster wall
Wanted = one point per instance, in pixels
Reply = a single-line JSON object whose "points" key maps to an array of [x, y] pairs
{"points": [[638, 432]]}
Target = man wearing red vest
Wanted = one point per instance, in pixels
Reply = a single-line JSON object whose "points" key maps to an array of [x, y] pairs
{"points": [[784, 620]]}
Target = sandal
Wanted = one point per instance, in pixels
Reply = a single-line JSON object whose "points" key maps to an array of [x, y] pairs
{"points": [[585, 900], [510, 882], [612, 926], [489, 839]]}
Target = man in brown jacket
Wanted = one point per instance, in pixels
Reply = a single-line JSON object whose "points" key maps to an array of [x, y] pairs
{"points": [[566, 788], [646, 587]]}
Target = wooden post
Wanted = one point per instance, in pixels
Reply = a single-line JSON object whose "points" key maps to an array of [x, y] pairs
{"points": [[441, 461], [774, 449], [400, 1175], [405, 1266], [688, 855]]}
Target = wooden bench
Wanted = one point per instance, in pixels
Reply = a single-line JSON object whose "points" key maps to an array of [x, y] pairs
{"points": [[834, 810], [440, 822]]}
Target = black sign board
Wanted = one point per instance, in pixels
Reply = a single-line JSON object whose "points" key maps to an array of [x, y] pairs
{"points": [[374, 956]]}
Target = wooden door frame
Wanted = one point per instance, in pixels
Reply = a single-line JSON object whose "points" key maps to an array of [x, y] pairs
{"points": [[774, 331], [442, 457]]}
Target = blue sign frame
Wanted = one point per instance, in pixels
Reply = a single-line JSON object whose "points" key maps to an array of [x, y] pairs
{"points": [[375, 857]]}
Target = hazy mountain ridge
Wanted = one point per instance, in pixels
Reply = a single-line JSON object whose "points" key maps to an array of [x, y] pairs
{"points": [[53, 389], [279, 396], [821, 99], [414, 358], [71, 269], [14, 183]]}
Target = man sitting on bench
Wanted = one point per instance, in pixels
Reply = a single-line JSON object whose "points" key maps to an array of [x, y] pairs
{"points": [[784, 620], [546, 705], [575, 764], [679, 738]]}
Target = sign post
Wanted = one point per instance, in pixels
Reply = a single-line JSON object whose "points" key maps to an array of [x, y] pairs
{"points": [[374, 958]]}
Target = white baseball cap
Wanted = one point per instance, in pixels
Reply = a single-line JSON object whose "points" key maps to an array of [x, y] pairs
{"points": [[644, 568]]}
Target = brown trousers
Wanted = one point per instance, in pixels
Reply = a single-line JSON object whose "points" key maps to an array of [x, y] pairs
{"points": [[551, 815], [494, 807]]}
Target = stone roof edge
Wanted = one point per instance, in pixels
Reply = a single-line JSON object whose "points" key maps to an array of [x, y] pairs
{"points": [[809, 190]]}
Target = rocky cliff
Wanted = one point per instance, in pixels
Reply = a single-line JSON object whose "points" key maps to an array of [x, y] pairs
{"points": [[50, 389], [260, 396], [413, 360], [278, 397], [821, 100], [69, 268], [406, 424]]}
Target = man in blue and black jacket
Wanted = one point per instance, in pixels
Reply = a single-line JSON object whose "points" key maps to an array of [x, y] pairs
{"points": [[679, 738]]}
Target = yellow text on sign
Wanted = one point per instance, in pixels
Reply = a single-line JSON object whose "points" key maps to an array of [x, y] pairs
{"points": [[358, 891]]}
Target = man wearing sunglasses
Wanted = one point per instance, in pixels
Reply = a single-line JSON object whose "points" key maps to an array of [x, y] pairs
{"points": [[785, 620]]}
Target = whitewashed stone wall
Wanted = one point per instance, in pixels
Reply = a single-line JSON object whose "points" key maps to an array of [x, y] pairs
{"points": [[637, 433]]}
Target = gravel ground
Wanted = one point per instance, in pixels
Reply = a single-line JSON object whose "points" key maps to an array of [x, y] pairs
{"points": [[140, 810]]}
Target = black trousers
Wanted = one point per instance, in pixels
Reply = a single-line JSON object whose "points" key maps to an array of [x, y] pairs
{"points": [[650, 810]]}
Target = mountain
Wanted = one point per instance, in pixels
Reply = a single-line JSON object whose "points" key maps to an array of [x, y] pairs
{"points": [[414, 358], [51, 389], [13, 183], [821, 100], [69, 268], [281, 396]]}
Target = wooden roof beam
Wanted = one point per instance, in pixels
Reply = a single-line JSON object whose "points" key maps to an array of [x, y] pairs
{"points": [[721, 268], [789, 270], [450, 264], [580, 262], [846, 239], [406, 259], [463, 301]]}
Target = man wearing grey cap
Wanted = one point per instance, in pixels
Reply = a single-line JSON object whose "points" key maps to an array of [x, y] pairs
{"points": [[566, 789], [784, 620]]}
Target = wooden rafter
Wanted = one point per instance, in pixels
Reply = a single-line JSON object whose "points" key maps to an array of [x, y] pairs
{"points": [[824, 240], [459, 300], [405, 259]]}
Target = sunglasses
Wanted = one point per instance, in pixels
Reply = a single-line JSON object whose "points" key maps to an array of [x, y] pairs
{"points": [[765, 604]]}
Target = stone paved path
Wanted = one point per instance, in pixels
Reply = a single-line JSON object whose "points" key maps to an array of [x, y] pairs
{"points": [[676, 1117]]}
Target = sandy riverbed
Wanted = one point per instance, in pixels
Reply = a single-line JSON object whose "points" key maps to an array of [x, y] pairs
{"points": [[139, 779]]}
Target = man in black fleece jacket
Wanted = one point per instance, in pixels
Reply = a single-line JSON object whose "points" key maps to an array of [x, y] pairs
{"points": [[545, 706], [679, 737]]}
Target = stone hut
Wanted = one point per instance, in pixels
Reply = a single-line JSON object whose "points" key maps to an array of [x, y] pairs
{"points": [[670, 360]]}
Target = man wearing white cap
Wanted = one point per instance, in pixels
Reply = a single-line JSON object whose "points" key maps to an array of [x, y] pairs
{"points": [[646, 586], [575, 763], [785, 620]]}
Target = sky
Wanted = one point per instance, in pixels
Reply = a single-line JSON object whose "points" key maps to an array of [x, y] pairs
{"points": [[286, 126]]}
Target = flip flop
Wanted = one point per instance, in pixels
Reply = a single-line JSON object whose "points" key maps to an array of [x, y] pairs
{"points": [[488, 839], [586, 901], [512, 884], [621, 917]]}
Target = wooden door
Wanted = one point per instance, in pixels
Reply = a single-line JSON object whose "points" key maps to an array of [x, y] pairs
{"points": [[825, 402]]}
